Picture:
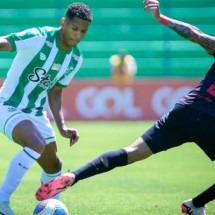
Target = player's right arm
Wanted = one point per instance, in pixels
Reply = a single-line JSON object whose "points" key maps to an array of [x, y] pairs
{"points": [[5, 44], [185, 30]]}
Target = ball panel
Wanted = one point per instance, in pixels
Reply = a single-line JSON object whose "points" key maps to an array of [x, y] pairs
{"points": [[50, 207]]}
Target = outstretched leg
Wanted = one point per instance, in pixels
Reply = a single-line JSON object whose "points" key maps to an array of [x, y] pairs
{"points": [[104, 163], [197, 205]]}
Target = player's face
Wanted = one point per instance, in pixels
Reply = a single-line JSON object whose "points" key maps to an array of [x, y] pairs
{"points": [[72, 31]]}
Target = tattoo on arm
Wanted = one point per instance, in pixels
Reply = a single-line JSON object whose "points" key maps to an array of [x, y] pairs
{"points": [[185, 30], [194, 34]]}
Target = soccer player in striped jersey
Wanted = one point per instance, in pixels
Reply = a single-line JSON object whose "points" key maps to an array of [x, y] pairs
{"points": [[192, 119], [46, 61]]}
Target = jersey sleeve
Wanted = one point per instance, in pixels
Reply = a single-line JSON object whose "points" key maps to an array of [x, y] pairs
{"points": [[25, 39]]}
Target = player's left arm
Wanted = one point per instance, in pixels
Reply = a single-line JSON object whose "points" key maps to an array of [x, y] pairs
{"points": [[5, 44], [194, 34], [55, 104], [184, 29]]}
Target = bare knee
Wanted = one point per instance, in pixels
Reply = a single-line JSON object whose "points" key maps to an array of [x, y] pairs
{"points": [[138, 150]]}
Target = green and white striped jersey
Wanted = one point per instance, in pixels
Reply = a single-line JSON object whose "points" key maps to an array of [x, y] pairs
{"points": [[39, 64]]}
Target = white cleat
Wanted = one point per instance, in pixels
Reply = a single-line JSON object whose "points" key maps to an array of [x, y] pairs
{"points": [[188, 208]]}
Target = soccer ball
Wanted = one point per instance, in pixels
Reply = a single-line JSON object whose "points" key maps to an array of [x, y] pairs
{"points": [[51, 207]]}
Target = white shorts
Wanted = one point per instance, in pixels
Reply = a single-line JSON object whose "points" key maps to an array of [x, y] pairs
{"points": [[11, 116]]}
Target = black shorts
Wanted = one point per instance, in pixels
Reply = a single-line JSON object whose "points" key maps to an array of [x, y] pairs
{"points": [[179, 126]]}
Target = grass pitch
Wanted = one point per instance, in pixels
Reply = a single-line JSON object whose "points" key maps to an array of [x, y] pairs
{"points": [[156, 186]]}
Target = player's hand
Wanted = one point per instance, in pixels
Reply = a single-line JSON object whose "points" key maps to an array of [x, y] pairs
{"points": [[70, 133], [154, 7]]}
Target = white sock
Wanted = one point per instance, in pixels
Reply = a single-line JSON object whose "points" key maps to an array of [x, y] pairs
{"points": [[19, 165], [45, 177]]}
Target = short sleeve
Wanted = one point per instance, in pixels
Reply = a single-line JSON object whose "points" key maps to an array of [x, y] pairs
{"points": [[25, 39]]}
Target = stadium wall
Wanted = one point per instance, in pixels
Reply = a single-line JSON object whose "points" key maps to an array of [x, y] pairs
{"points": [[108, 100]]}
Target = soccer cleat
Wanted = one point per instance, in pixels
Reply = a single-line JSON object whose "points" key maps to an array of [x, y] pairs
{"points": [[188, 208], [55, 186], [5, 209]]}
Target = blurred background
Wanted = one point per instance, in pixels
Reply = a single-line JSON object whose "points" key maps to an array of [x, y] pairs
{"points": [[167, 65]]}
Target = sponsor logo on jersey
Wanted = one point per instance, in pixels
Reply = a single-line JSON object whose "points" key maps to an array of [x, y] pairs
{"points": [[42, 56], [40, 76], [49, 44], [56, 67], [76, 57]]}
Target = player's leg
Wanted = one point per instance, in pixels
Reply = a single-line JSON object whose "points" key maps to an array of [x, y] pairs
{"points": [[27, 135], [197, 204], [206, 196], [204, 136], [50, 163], [112, 159], [103, 163], [188, 207], [49, 159], [97, 166]]}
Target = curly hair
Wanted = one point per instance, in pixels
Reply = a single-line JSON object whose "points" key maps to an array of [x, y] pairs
{"points": [[80, 10]]}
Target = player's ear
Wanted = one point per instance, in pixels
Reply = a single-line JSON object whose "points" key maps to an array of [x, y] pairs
{"points": [[62, 21]]}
